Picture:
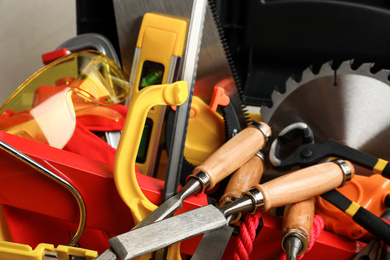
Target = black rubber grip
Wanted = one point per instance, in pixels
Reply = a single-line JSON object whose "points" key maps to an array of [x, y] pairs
{"points": [[337, 199], [386, 171], [363, 217], [373, 224]]}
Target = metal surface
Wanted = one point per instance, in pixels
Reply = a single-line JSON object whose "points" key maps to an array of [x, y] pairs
{"points": [[173, 69], [80, 201], [109, 254], [293, 246], [349, 105], [160, 234], [262, 128], [346, 170], [309, 153], [212, 58], [169, 207], [212, 65], [257, 198], [213, 244], [190, 68], [167, 232], [93, 41], [202, 177], [369, 252], [243, 204]]}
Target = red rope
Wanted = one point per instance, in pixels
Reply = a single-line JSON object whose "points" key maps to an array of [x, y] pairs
{"points": [[318, 226], [244, 242]]}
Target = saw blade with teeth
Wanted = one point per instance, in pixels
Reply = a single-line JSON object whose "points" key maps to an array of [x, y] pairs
{"points": [[349, 105]]}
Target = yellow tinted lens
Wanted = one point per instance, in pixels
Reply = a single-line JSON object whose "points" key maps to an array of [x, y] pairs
{"points": [[100, 79], [51, 122], [43, 108]]}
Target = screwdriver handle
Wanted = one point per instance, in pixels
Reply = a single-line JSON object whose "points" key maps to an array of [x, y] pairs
{"points": [[231, 155], [244, 178], [298, 221], [303, 184]]}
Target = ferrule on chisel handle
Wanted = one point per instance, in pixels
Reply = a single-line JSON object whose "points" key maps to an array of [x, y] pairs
{"points": [[263, 128], [298, 222], [244, 178], [231, 155], [346, 170], [301, 185]]}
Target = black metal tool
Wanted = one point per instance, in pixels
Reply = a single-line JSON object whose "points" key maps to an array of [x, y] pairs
{"points": [[309, 153]]}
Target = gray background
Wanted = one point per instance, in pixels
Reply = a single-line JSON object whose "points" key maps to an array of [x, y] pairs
{"points": [[27, 30]]}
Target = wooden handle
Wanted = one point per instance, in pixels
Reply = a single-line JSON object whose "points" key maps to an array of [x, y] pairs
{"points": [[243, 179], [302, 184], [298, 217], [234, 153]]}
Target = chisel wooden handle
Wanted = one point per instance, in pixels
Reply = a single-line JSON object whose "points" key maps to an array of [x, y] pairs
{"points": [[298, 221], [303, 184], [234, 153], [244, 178]]}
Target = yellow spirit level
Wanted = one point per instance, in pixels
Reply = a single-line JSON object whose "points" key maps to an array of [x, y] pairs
{"points": [[156, 60]]}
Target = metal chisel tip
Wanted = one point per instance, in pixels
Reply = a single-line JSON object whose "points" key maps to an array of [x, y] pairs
{"points": [[293, 245]]}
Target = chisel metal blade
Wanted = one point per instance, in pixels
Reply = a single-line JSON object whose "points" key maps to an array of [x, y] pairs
{"points": [[169, 207], [164, 211], [167, 232], [213, 244]]}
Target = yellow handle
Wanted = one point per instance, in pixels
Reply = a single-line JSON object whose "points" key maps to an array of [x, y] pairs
{"points": [[124, 165]]}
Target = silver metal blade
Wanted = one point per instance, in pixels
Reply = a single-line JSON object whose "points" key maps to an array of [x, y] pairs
{"points": [[167, 232], [348, 105], [190, 68], [169, 207], [166, 209], [213, 63], [109, 254], [213, 244]]}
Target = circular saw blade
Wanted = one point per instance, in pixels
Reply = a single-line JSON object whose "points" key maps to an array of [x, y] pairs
{"points": [[349, 105]]}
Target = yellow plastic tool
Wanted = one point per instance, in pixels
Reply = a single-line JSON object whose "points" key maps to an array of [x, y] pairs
{"points": [[158, 50], [124, 166], [15, 251], [203, 120]]}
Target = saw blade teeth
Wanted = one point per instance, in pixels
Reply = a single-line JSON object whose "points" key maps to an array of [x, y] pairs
{"points": [[345, 66], [307, 75], [291, 84], [364, 68], [383, 75], [326, 69], [277, 96]]}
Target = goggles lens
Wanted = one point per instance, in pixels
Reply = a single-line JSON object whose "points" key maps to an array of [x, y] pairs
{"points": [[45, 107]]}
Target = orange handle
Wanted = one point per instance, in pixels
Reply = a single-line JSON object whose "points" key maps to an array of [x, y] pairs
{"points": [[234, 153], [243, 179], [302, 184]]}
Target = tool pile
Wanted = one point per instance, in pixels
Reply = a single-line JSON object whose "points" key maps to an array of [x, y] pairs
{"points": [[157, 161]]}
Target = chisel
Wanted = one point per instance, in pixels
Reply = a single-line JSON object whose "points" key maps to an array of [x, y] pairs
{"points": [[213, 244], [290, 188], [296, 227], [228, 158]]}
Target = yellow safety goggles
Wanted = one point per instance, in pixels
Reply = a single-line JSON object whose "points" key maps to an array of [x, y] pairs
{"points": [[45, 107]]}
